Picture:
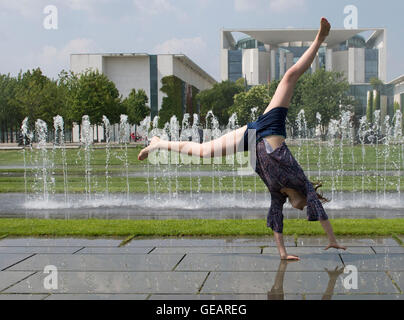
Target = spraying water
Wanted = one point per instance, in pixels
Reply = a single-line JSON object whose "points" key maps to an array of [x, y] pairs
{"points": [[59, 143]]}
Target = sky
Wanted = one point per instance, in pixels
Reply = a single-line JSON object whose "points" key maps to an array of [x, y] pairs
{"points": [[191, 27]]}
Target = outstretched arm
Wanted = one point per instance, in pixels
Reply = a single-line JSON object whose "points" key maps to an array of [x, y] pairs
{"points": [[330, 234], [284, 92]]}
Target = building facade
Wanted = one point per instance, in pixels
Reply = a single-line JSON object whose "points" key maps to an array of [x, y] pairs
{"points": [[265, 55], [144, 71]]}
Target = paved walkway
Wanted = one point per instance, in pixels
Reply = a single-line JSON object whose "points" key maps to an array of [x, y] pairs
{"points": [[172, 269]]}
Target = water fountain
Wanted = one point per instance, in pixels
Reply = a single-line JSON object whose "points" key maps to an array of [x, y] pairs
{"points": [[170, 193], [107, 133]]}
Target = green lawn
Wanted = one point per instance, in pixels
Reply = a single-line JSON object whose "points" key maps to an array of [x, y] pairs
{"points": [[195, 228], [309, 156]]}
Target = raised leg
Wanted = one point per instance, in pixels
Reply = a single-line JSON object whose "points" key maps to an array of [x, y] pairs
{"points": [[223, 146], [284, 92]]}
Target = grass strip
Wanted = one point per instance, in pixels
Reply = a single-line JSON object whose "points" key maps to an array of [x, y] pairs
{"points": [[126, 241], [191, 228], [395, 237]]}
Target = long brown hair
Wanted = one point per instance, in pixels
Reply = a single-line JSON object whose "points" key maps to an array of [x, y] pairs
{"points": [[320, 196]]}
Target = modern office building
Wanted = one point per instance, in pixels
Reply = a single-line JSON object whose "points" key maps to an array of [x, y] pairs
{"points": [[265, 55], [144, 71]]}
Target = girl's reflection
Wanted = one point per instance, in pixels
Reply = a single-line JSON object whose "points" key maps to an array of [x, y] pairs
{"points": [[277, 293]]}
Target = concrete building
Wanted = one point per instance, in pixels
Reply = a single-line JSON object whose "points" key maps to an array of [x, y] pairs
{"points": [[266, 55], [144, 71]]}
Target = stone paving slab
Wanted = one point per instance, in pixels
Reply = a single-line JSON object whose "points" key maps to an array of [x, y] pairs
{"points": [[59, 242], [377, 262], [32, 250], [187, 250], [220, 297], [9, 259], [292, 282], [100, 262], [384, 250], [251, 262], [115, 282], [398, 278], [23, 296], [195, 242], [84, 296], [113, 250], [349, 242], [8, 278], [320, 250]]}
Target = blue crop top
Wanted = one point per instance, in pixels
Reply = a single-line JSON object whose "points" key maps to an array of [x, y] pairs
{"points": [[272, 123]]}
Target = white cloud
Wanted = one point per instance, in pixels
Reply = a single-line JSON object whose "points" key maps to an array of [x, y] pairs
{"points": [[24, 7], [247, 5], [273, 5], [284, 5], [192, 47], [158, 7], [30, 8], [52, 60]]}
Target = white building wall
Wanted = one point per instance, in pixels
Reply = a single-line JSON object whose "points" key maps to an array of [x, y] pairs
{"points": [[340, 62], [224, 64], [381, 44], [282, 61], [264, 67], [128, 73], [328, 60], [250, 66], [81, 62], [188, 75], [356, 65], [315, 65], [273, 64]]}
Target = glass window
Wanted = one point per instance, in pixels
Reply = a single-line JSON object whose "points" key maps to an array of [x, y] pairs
{"points": [[235, 71]]}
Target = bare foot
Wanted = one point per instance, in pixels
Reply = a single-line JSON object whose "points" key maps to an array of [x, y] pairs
{"points": [[290, 258], [335, 246], [324, 29], [145, 152]]}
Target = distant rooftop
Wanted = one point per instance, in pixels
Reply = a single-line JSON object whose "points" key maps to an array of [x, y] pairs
{"points": [[182, 57], [279, 36]]}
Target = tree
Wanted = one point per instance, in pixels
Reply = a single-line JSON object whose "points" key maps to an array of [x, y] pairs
{"points": [[173, 101], [396, 107], [324, 92], [377, 86], [244, 102], [376, 83], [93, 94], [369, 109], [219, 99], [376, 103], [37, 96], [10, 113], [136, 106]]}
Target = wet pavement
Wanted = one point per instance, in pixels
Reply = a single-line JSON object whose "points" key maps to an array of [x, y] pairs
{"points": [[200, 269]]}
